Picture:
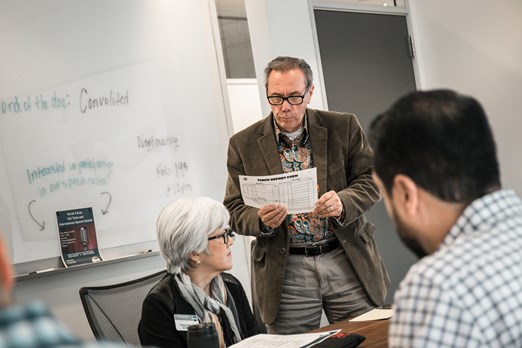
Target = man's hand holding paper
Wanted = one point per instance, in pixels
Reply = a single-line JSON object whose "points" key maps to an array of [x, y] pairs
{"points": [[272, 214], [329, 205]]}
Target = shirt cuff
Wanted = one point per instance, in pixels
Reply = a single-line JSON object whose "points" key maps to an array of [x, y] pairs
{"points": [[341, 219], [265, 231]]}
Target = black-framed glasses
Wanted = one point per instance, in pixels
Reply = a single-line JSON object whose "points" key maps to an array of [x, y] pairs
{"points": [[292, 100], [229, 233]]}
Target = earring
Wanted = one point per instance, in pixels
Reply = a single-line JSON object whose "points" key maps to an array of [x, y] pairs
{"points": [[198, 261]]}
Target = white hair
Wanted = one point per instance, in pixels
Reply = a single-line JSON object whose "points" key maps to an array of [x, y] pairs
{"points": [[183, 228]]}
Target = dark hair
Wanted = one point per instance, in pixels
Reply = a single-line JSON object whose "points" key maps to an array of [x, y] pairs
{"points": [[284, 63], [441, 140]]}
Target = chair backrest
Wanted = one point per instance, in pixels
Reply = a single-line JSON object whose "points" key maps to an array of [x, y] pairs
{"points": [[114, 311]]}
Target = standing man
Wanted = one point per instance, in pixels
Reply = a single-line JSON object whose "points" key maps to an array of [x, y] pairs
{"points": [[435, 157], [326, 259]]}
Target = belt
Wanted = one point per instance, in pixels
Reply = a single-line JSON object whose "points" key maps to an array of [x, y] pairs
{"points": [[314, 250]]}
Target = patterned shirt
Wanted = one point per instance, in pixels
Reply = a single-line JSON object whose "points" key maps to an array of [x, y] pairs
{"points": [[33, 326], [296, 155], [469, 292]]}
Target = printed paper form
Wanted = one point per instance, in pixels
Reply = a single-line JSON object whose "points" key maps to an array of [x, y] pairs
{"points": [[375, 314], [285, 341], [297, 191]]}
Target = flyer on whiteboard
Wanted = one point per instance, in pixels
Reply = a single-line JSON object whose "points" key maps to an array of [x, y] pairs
{"points": [[77, 234]]}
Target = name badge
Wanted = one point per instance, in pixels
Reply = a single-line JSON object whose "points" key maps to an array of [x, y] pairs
{"points": [[183, 321]]}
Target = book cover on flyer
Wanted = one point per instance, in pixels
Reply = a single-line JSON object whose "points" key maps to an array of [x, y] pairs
{"points": [[78, 237]]}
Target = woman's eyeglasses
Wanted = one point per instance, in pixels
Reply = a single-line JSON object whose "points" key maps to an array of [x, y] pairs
{"points": [[229, 233]]}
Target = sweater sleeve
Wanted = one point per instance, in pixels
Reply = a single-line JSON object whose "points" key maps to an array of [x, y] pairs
{"points": [[157, 326]]}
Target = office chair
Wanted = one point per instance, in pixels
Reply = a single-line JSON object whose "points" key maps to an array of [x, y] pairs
{"points": [[114, 311]]}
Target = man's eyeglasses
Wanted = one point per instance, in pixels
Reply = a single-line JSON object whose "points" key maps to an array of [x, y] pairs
{"points": [[292, 100], [229, 233]]}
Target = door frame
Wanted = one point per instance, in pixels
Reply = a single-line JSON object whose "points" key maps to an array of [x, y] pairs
{"points": [[359, 8]]}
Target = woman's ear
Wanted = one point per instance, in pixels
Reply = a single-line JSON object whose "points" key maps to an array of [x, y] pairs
{"points": [[195, 260], [405, 194]]}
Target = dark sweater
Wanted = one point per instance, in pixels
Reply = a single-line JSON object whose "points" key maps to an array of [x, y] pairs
{"points": [[157, 327]]}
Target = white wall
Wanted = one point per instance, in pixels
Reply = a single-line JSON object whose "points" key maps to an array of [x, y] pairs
{"points": [[245, 105], [245, 109], [475, 47]]}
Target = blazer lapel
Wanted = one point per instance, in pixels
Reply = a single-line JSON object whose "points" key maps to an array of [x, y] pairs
{"points": [[319, 141], [268, 147]]}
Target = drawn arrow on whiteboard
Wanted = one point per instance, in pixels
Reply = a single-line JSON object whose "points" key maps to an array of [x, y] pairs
{"points": [[106, 210], [42, 225]]}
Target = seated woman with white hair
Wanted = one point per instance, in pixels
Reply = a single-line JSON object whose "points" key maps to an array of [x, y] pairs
{"points": [[195, 241]]}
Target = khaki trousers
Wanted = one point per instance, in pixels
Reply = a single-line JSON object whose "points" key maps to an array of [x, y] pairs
{"points": [[316, 283]]}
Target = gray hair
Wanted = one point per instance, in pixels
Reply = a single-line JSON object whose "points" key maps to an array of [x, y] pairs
{"points": [[183, 228], [284, 63]]}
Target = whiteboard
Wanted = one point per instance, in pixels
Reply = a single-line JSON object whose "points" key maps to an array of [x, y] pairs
{"points": [[115, 105]]}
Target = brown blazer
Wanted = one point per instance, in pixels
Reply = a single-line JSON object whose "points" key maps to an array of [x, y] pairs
{"points": [[342, 157]]}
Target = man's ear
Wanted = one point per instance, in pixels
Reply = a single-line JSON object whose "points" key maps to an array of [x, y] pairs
{"points": [[310, 92], [405, 194]]}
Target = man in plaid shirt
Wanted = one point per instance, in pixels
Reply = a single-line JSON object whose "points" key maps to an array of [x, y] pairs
{"points": [[435, 158]]}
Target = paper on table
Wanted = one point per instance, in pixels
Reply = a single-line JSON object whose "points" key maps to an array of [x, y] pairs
{"points": [[297, 191], [285, 341], [374, 314]]}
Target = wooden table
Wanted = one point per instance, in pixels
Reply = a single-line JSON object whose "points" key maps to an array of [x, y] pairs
{"points": [[375, 331]]}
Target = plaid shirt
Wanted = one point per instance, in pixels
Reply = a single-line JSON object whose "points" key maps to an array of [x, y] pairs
{"points": [[33, 326], [469, 292]]}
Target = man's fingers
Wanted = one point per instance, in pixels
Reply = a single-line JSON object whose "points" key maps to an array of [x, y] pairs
{"points": [[272, 215]]}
